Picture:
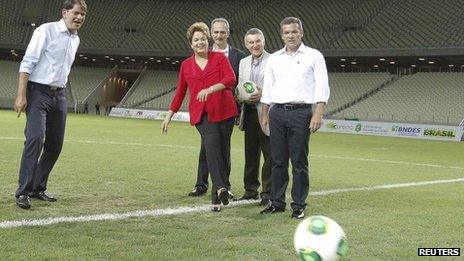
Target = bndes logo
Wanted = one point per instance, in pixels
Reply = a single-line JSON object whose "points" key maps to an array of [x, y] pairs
{"points": [[406, 130]]}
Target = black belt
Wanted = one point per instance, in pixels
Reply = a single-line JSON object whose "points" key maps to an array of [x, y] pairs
{"points": [[292, 106], [51, 88], [250, 106], [54, 88]]}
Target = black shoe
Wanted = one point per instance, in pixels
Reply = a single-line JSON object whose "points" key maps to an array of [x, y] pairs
{"points": [[249, 197], [298, 213], [223, 195], [264, 202], [271, 209], [44, 197], [197, 191], [23, 201]]}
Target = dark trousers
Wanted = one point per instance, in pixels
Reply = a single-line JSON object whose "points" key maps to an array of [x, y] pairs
{"points": [[216, 139], [255, 143], [202, 173], [46, 120], [289, 130]]}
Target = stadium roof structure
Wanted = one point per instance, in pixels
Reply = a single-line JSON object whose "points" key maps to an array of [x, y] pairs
{"points": [[172, 62]]}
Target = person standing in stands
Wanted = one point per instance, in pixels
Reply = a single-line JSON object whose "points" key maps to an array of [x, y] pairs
{"points": [[256, 141], [97, 108], [210, 81], [295, 83], [86, 107], [43, 75], [220, 31]]}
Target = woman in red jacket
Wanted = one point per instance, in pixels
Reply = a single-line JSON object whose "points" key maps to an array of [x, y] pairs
{"points": [[209, 79]]}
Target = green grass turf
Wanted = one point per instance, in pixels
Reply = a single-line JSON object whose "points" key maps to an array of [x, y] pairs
{"points": [[144, 170]]}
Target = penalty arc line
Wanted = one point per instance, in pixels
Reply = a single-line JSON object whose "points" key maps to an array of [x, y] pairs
{"points": [[196, 209]]}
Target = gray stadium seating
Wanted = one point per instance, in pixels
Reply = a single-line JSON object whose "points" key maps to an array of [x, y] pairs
{"points": [[163, 102], [331, 24], [423, 97], [152, 84], [84, 80], [8, 79], [347, 87]]}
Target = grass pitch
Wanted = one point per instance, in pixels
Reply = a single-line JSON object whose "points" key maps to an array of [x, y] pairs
{"points": [[111, 165]]}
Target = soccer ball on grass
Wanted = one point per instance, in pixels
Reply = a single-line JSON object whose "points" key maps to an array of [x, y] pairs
{"points": [[319, 238]]}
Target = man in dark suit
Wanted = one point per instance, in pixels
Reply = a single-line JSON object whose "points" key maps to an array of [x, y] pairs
{"points": [[220, 33]]}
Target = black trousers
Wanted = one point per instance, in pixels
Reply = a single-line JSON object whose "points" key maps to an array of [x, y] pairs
{"points": [[202, 172], [289, 129], [255, 143], [216, 139], [46, 120]]}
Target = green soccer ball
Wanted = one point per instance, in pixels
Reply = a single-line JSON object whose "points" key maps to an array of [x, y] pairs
{"points": [[249, 87], [319, 238]]}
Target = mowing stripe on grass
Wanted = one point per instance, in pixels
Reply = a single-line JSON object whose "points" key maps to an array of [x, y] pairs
{"points": [[389, 161], [241, 150], [203, 208]]}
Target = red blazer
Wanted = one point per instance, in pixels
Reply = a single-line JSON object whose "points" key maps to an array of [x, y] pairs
{"points": [[220, 104]]}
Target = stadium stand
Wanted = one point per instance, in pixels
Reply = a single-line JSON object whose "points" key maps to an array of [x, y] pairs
{"points": [[163, 102], [331, 24], [84, 80], [400, 24], [8, 79], [144, 27], [347, 87], [152, 84], [422, 97]]}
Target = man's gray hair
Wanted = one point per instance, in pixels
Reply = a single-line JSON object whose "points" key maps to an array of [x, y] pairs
{"points": [[291, 20], [254, 31], [220, 19]]}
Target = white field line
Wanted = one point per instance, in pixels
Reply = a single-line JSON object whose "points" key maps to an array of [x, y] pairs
{"points": [[187, 210], [241, 150]]}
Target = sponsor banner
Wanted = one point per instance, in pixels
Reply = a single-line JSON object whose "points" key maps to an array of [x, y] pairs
{"points": [[421, 131], [147, 114]]}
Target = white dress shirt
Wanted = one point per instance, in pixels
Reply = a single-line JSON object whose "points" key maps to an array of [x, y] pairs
{"points": [[256, 64], [50, 54], [225, 51], [297, 78]]}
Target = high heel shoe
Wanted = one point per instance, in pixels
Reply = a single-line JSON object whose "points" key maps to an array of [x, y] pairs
{"points": [[216, 208]]}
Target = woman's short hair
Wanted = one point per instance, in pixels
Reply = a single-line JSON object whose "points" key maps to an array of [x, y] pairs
{"points": [[197, 27]]}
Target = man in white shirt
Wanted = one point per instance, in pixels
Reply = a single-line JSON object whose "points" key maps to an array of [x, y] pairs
{"points": [[43, 75], [295, 81]]}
